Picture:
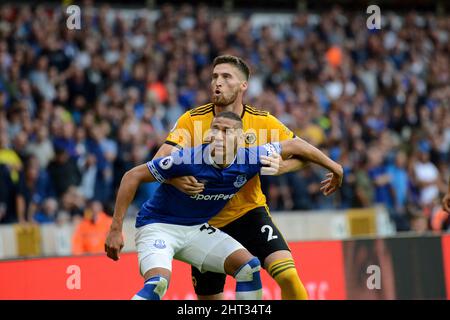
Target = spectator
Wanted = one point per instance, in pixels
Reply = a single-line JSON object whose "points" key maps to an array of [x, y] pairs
{"points": [[65, 134], [73, 203], [90, 234], [47, 212], [19, 144], [400, 184], [278, 193], [426, 175], [364, 188], [42, 147], [88, 167], [32, 189], [439, 218], [105, 151], [174, 110], [446, 199], [114, 92], [7, 197], [63, 172], [300, 197], [419, 224], [9, 157], [379, 175]]}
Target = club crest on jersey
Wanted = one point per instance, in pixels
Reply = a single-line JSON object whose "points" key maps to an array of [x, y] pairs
{"points": [[166, 162], [160, 244], [250, 138], [240, 180]]}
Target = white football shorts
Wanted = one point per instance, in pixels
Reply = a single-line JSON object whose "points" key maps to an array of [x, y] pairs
{"points": [[202, 246]]}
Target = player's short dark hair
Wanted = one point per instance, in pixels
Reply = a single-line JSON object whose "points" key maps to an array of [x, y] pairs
{"points": [[230, 115], [235, 61]]}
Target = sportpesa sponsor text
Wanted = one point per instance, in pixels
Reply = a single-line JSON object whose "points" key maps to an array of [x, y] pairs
{"points": [[219, 196]]}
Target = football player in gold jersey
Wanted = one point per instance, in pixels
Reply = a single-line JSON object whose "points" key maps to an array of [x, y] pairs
{"points": [[246, 216]]}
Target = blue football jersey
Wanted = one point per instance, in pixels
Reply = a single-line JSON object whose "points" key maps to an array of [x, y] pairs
{"points": [[169, 205]]}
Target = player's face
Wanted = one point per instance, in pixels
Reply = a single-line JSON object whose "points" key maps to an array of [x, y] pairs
{"points": [[227, 84], [225, 137]]}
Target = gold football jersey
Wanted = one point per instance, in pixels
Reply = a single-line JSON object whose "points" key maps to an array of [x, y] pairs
{"points": [[259, 128]]}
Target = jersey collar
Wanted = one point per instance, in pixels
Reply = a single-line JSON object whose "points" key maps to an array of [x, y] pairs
{"points": [[244, 106], [214, 164]]}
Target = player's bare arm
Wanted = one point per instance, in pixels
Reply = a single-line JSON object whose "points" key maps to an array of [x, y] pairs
{"points": [[301, 149], [291, 165], [127, 190]]}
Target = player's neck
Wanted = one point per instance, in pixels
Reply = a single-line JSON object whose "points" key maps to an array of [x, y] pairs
{"points": [[236, 107], [226, 165], [222, 163]]}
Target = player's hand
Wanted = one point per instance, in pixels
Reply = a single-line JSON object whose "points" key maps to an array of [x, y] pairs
{"points": [[187, 184], [332, 182], [271, 164], [113, 244], [446, 202]]}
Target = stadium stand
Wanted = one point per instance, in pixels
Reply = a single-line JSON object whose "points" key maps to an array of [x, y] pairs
{"points": [[78, 108]]}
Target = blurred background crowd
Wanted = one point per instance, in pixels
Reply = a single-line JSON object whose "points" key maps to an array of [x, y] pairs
{"points": [[78, 108]]}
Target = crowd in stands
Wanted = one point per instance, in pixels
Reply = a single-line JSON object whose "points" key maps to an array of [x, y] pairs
{"points": [[78, 108]]}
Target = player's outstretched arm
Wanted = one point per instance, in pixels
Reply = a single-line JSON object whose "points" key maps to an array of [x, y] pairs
{"points": [[127, 190], [301, 149], [291, 165]]}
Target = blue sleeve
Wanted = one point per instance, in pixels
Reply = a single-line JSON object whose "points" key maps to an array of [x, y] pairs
{"points": [[254, 153], [178, 164], [268, 149]]}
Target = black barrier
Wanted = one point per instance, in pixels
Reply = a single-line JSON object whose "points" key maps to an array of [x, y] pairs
{"points": [[394, 268], [418, 267]]}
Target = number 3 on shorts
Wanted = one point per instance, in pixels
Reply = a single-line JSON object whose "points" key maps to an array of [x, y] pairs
{"points": [[210, 229], [270, 235]]}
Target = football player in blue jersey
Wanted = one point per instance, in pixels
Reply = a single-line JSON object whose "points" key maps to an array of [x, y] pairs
{"points": [[173, 225]]}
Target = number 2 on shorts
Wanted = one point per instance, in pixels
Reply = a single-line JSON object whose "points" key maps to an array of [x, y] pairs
{"points": [[270, 235]]}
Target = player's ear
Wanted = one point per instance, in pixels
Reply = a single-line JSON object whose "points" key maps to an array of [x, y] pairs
{"points": [[244, 85], [240, 137], [208, 137]]}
